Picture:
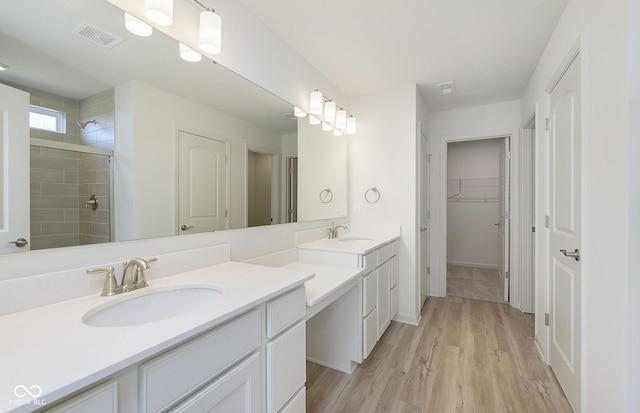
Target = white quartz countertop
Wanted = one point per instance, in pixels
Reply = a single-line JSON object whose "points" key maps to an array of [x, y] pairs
{"points": [[355, 243], [328, 279], [51, 348]]}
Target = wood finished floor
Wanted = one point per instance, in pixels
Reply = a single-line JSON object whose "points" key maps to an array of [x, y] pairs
{"points": [[476, 283], [465, 356]]}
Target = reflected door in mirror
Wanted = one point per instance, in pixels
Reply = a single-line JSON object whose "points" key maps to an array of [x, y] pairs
{"points": [[202, 184]]}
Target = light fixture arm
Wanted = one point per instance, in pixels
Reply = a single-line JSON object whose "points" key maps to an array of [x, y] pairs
{"points": [[204, 7]]}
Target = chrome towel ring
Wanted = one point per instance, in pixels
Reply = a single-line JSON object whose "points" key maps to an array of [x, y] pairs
{"points": [[326, 196], [370, 198]]}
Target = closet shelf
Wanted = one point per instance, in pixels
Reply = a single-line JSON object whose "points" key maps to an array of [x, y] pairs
{"points": [[476, 189]]}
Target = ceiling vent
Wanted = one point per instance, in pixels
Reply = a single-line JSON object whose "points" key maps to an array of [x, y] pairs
{"points": [[97, 36], [447, 88]]}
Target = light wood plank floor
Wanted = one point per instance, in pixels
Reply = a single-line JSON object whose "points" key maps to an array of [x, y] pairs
{"points": [[465, 356], [477, 283]]}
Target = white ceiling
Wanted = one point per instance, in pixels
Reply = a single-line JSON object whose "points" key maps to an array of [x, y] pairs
{"points": [[489, 48]]}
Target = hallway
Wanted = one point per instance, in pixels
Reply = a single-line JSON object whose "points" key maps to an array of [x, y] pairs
{"points": [[477, 283], [466, 355]]}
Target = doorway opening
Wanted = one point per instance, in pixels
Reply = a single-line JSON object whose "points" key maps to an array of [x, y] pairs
{"points": [[260, 169], [291, 204], [478, 202]]}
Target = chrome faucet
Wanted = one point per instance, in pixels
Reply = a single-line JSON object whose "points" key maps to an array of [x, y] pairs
{"points": [[132, 276], [333, 231]]}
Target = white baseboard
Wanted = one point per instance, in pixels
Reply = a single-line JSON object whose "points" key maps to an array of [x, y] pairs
{"points": [[411, 320], [473, 265]]}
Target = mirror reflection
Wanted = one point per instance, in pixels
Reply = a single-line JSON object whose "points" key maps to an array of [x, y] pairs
{"points": [[129, 141]]}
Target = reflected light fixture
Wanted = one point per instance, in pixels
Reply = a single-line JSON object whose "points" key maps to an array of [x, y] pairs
{"points": [[341, 119], [351, 125], [326, 126], [3, 67], [210, 36], [137, 26], [299, 113], [315, 102], [313, 120], [159, 11], [330, 111], [337, 132], [188, 54]]}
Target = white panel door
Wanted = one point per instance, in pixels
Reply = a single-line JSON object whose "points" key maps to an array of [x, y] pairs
{"points": [[424, 218], [503, 216], [202, 184], [14, 170], [565, 221]]}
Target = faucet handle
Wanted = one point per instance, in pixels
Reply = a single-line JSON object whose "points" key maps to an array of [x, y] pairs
{"points": [[110, 283], [139, 280]]}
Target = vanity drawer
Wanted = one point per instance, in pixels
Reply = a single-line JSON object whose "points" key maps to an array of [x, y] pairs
{"points": [[369, 292], [384, 253], [238, 391], [170, 377], [286, 366], [394, 247], [395, 270], [370, 261], [100, 399], [284, 311]]}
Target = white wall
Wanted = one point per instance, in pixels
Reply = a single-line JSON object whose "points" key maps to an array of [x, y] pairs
{"points": [[486, 121], [634, 206], [147, 120], [383, 155], [472, 237], [600, 29]]}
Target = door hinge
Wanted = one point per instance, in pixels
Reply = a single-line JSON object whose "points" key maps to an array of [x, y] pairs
{"points": [[507, 215], [428, 214], [226, 159], [546, 319], [546, 124], [509, 155], [226, 213], [507, 275], [533, 229], [428, 270], [546, 221]]}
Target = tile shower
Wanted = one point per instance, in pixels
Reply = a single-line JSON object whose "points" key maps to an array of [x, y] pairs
{"points": [[67, 169]]}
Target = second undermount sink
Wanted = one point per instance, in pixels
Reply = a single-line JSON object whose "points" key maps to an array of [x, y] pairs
{"points": [[150, 306], [355, 239]]}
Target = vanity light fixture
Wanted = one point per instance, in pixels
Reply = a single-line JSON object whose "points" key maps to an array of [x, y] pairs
{"points": [[313, 120], [188, 54], [341, 119], [210, 37], [315, 102], [3, 67], [326, 126], [159, 11], [137, 26], [330, 111], [351, 125], [299, 113]]}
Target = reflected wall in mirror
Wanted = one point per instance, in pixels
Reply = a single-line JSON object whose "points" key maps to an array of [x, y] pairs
{"points": [[145, 102]]}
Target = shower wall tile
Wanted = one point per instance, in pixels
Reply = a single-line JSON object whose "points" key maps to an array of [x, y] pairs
{"points": [[47, 215], [57, 228], [60, 189], [57, 241], [47, 175]]}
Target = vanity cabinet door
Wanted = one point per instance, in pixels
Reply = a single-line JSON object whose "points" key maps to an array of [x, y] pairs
{"points": [[286, 366], [369, 333], [395, 301], [100, 399], [237, 391], [384, 293], [298, 404]]}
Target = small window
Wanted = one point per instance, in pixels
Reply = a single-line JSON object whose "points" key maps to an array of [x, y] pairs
{"points": [[47, 119]]}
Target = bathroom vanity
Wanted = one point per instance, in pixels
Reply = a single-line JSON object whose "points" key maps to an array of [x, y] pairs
{"points": [[242, 349]]}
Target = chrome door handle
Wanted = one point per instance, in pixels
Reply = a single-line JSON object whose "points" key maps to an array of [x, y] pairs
{"points": [[575, 254], [20, 242], [497, 224], [423, 229], [184, 227]]}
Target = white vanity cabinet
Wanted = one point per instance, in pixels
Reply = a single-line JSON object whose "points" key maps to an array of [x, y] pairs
{"points": [[254, 363]]}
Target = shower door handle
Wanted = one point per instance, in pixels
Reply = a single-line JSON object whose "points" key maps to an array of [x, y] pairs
{"points": [[20, 242]]}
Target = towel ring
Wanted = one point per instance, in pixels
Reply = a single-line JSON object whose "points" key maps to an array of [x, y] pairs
{"points": [[325, 199], [366, 195]]}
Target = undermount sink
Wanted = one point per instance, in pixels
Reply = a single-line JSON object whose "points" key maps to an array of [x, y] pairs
{"points": [[355, 239], [150, 306]]}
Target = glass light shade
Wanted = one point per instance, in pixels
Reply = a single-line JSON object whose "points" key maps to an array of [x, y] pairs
{"points": [[3, 67], [330, 111], [337, 132], [210, 32], [137, 26], [188, 54], [315, 103], [159, 11], [341, 119], [326, 126], [299, 113], [313, 120], [351, 125]]}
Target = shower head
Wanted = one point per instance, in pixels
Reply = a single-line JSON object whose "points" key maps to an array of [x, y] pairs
{"points": [[84, 124]]}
